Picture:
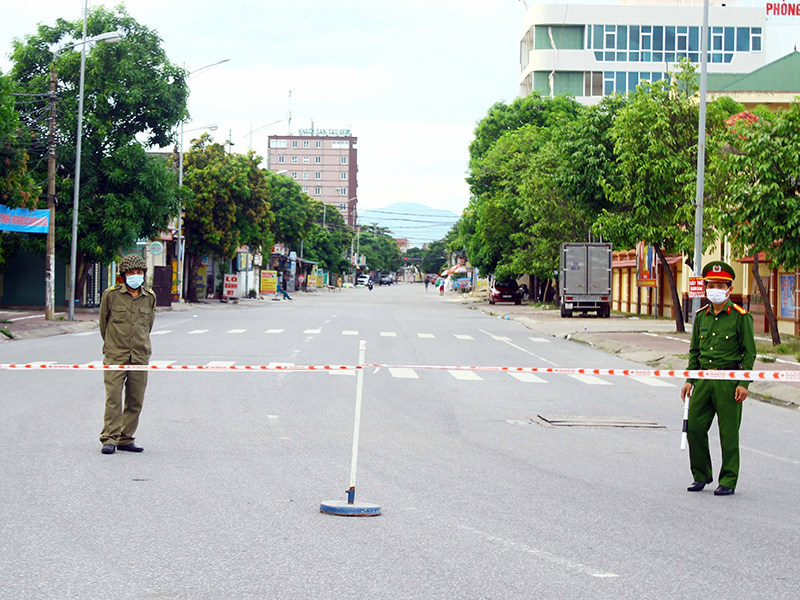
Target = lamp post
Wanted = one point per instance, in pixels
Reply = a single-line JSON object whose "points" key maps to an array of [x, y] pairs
{"points": [[110, 37], [210, 127]]}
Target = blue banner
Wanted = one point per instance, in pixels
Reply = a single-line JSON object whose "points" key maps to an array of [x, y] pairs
{"points": [[24, 220]]}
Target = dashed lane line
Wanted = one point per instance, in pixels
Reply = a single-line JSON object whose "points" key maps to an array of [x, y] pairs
{"points": [[590, 380], [426, 336], [464, 337], [349, 332], [540, 340], [314, 331], [652, 381], [162, 332], [388, 334], [198, 332], [274, 331], [506, 340], [466, 375], [401, 373], [527, 378], [237, 331]]}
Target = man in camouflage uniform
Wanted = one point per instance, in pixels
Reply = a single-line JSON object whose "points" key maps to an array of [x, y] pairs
{"points": [[722, 339], [127, 312]]}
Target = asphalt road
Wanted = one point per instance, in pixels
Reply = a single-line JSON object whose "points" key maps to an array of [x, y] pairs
{"points": [[479, 499]]}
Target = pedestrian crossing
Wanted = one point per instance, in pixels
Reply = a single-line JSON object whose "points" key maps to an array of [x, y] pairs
{"points": [[459, 375]]}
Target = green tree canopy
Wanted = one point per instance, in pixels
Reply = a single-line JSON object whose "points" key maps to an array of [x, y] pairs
{"points": [[132, 92]]}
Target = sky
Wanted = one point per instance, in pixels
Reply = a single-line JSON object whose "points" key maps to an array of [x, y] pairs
{"points": [[410, 78]]}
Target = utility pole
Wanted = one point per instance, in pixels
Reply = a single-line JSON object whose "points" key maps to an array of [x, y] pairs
{"points": [[50, 266], [324, 209]]}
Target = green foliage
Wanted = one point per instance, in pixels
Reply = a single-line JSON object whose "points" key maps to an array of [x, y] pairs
{"points": [[294, 217], [434, 257], [760, 211], [380, 250], [328, 245], [131, 92]]}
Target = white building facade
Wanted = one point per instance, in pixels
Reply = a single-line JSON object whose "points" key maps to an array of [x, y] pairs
{"points": [[589, 51]]}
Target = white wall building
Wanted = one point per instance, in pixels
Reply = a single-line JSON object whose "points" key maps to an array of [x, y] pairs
{"points": [[590, 51]]}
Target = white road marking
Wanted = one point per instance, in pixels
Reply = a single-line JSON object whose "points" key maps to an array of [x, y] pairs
{"points": [[349, 332], [540, 340], [197, 331], [312, 330], [504, 340], [590, 380], [237, 330], [161, 363], [775, 456], [427, 336], [501, 338], [88, 333], [403, 373], [464, 337], [652, 381], [527, 377], [162, 332], [274, 331], [541, 554], [388, 334], [466, 375], [94, 363], [221, 363]]}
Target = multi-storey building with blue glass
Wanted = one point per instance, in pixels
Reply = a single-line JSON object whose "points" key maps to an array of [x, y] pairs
{"points": [[590, 51]]}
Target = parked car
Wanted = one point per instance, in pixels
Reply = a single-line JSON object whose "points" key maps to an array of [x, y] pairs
{"points": [[505, 291], [362, 280], [386, 280]]}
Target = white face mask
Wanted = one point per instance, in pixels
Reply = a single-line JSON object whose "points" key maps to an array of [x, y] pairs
{"points": [[134, 281], [717, 296]]}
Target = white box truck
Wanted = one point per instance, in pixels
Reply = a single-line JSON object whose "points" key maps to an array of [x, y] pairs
{"points": [[585, 278]]}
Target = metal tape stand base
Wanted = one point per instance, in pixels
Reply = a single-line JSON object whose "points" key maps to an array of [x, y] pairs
{"points": [[344, 509]]}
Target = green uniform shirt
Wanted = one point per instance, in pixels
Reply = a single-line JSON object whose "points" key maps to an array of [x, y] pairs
{"points": [[722, 340], [125, 324]]}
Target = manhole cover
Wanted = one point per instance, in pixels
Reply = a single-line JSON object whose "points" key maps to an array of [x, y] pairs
{"points": [[596, 422]]}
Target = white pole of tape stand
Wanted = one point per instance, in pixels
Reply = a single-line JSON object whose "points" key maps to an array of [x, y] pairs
{"points": [[349, 507], [685, 421]]}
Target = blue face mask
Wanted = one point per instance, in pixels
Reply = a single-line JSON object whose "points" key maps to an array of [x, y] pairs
{"points": [[134, 281]]}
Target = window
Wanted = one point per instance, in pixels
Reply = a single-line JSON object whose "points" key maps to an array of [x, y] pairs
{"points": [[608, 83], [305, 190], [277, 143], [611, 37], [755, 39], [342, 160], [317, 160], [743, 39], [318, 175], [294, 174], [716, 38], [317, 191], [340, 144], [593, 84], [318, 144], [343, 175], [294, 160], [342, 206], [306, 160], [682, 42], [305, 174], [281, 159], [306, 143], [343, 191], [294, 143]]}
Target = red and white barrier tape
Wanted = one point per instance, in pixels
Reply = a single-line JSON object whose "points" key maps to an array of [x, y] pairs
{"points": [[662, 373]]}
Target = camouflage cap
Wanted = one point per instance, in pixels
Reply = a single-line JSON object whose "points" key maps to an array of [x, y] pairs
{"points": [[130, 262]]}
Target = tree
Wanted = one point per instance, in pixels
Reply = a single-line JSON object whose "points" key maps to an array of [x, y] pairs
{"points": [[328, 244], [132, 92], [760, 211], [655, 141], [434, 257], [229, 205], [293, 214], [380, 250]]}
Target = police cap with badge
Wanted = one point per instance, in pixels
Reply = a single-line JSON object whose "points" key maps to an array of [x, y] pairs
{"points": [[718, 271]]}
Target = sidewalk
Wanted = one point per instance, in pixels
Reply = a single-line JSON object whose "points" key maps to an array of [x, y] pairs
{"points": [[643, 340], [25, 324]]}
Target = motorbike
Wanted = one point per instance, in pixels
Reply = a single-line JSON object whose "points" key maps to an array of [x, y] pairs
{"points": [[369, 285]]}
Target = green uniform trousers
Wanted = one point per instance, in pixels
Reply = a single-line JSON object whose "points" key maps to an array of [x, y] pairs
{"points": [[119, 426], [710, 398]]}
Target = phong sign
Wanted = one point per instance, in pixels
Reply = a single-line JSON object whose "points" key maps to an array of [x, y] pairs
{"points": [[783, 9]]}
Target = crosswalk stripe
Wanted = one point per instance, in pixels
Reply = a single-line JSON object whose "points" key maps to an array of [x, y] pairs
{"points": [[221, 363], [501, 338], [466, 375], [527, 377], [464, 337], [349, 332], [161, 363], [388, 334], [403, 373], [540, 340], [162, 332], [652, 381], [88, 333], [590, 380], [274, 331], [312, 330], [425, 335], [198, 331], [237, 331]]}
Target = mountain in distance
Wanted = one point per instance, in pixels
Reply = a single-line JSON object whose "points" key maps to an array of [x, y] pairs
{"points": [[419, 223]]}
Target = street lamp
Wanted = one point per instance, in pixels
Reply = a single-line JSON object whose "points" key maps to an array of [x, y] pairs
{"points": [[210, 127], [109, 38]]}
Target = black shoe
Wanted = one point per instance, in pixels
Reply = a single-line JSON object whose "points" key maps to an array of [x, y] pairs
{"points": [[723, 491], [697, 486], [130, 448], [108, 449]]}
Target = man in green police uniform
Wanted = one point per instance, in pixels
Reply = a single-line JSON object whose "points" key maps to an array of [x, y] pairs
{"points": [[722, 339], [127, 313]]}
